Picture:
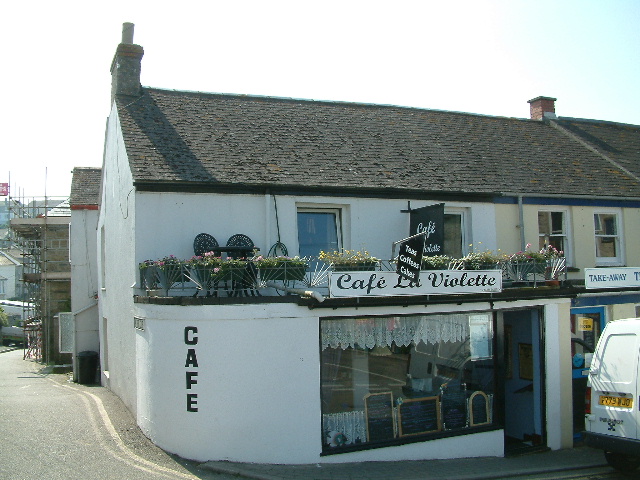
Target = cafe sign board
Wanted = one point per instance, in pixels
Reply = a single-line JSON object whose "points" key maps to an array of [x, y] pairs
{"points": [[430, 222], [612, 277], [432, 282]]}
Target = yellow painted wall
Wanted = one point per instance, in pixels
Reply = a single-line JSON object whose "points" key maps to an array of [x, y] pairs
{"points": [[631, 226], [582, 238], [508, 238]]}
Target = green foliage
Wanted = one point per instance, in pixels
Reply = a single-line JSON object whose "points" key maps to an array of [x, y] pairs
{"points": [[347, 257]]}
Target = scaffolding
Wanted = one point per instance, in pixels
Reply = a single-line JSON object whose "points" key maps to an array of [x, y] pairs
{"points": [[39, 229]]}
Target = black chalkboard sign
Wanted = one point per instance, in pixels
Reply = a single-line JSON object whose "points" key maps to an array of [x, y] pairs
{"points": [[378, 410], [419, 415], [454, 407], [479, 409]]}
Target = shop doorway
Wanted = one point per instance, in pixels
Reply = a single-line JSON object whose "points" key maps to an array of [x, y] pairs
{"points": [[586, 326], [523, 382]]}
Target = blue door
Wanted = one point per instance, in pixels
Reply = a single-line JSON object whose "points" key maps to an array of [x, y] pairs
{"points": [[586, 326]]}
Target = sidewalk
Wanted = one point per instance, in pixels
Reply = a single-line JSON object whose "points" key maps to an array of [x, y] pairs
{"points": [[459, 469], [42, 397]]}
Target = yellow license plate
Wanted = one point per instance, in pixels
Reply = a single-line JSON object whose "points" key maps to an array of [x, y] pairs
{"points": [[611, 401]]}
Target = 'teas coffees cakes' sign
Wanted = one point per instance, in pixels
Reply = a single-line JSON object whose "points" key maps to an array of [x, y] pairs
{"points": [[410, 258]]}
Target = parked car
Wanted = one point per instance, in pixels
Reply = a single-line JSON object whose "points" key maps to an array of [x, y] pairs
{"points": [[12, 334], [612, 414]]}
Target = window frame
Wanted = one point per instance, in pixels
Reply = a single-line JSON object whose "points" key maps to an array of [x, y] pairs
{"points": [[618, 237], [338, 213], [465, 234], [566, 235], [440, 369]]}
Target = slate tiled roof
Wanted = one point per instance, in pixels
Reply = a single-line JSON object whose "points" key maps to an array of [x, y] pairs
{"points": [[5, 261], [178, 139], [85, 186], [617, 141]]}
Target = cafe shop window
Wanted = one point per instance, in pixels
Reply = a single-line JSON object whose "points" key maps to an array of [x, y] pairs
{"points": [[319, 229], [607, 238], [552, 230], [401, 378]]}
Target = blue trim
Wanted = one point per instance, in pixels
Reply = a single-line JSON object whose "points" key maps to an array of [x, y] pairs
{"points": [[582, 202], [579, 302]]}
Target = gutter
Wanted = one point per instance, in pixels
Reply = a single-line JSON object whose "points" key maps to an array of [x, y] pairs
{"points": [[576, 197], [521, 223]]}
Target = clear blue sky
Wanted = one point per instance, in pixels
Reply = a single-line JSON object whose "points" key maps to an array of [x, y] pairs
{"points": [[486, 57]]}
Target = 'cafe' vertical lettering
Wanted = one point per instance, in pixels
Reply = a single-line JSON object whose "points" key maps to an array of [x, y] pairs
{"points": [[191, 338]]}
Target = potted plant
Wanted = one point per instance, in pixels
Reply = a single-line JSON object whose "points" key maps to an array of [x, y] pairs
{"points": [[280, 267], [347, 260], [169, 271], [242, 273], [148, 275], [556, 264], [527, 262], [205, 271], [482, 260]]}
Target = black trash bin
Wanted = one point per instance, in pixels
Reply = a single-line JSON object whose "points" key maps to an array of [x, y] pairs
{"points": [[87, 367]]}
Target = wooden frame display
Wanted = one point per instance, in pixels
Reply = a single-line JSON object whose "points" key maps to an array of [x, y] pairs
{"points": [[525, 360], [378, 411], [453, 406], [479, 410], [419, 415]]}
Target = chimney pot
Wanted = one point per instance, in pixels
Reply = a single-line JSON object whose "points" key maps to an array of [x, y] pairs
{"points": [[542, 107], [126, 65], [127, 33]]}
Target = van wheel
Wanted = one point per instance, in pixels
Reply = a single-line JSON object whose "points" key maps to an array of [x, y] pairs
{"points": [[621, 462]]}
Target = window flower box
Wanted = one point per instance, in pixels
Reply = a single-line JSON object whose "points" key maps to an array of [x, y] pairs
{"points": [[436, 262], [349, 260], [170, 271], [281, 268], [205, 271]]}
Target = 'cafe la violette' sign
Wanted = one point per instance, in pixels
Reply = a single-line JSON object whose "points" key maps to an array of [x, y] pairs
{"points": [[432, 282]]}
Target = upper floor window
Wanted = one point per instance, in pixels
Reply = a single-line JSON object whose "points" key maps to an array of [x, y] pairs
{"points": [[552, 230], [454, 235], [319, 229], [608, 238]]}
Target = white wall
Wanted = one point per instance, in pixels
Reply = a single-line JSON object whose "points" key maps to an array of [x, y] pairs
{"points": [[10, 272], [368, 224], [258, 387], [117, 270], [84, 281], [559, 406]]}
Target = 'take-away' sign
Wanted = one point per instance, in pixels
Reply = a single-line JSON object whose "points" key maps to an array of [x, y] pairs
{"points": [[432, 282], [612, 277]]}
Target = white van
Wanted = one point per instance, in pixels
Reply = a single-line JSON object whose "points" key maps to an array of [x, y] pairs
{"points": [[612, 410]]}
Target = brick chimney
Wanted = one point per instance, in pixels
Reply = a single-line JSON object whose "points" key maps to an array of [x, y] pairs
{"points": [[542, 107], [125, 68]]}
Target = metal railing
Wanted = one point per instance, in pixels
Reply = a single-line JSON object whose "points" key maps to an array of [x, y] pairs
{"points": [[245, 278]]}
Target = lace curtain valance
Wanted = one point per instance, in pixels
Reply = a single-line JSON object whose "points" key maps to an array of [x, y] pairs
{"points": [[383, 331]]}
